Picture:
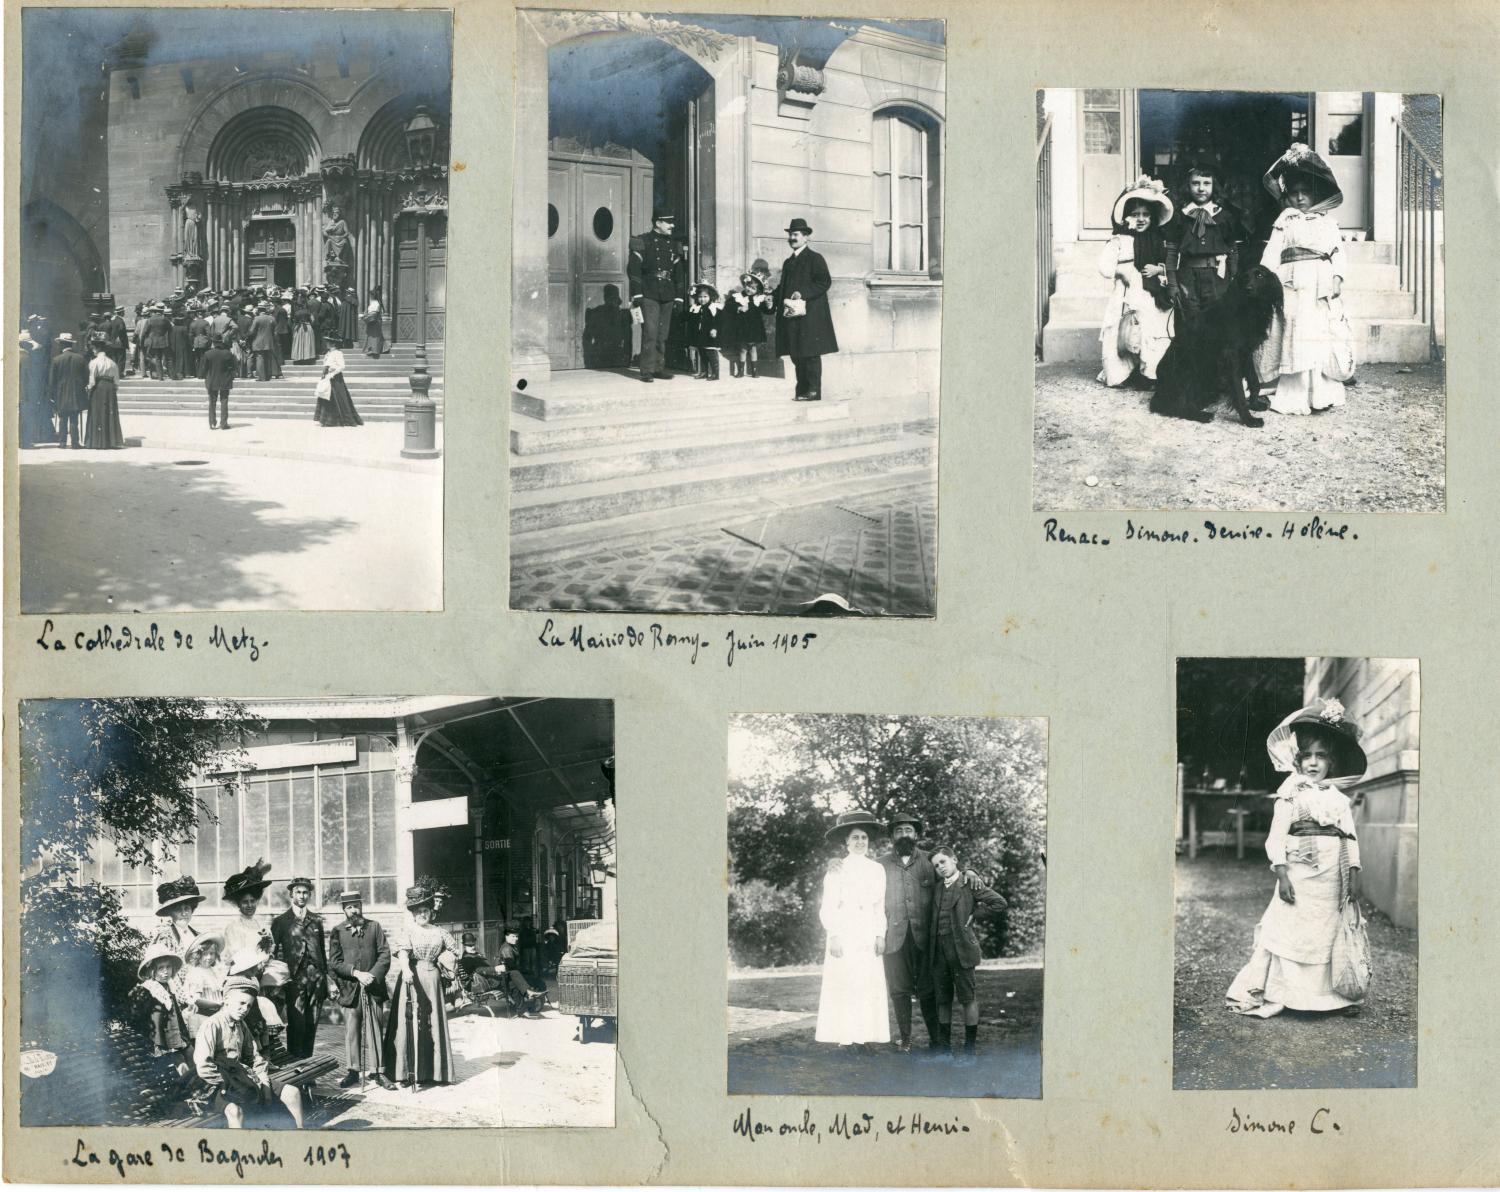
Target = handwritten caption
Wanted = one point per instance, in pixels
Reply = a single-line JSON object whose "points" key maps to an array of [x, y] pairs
{"points": [[148, 1161], [121, 639], [1315, 530], [1321, 1122], [848, 1127], [657, 639]]}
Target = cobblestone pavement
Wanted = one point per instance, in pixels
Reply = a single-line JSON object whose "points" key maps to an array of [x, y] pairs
{"points": [[888, 568]]}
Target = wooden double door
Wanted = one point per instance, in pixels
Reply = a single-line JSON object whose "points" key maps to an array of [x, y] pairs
{"points": [[421, 278]]}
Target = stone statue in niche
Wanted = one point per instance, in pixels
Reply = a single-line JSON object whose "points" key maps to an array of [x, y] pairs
{"points": [[336, 237], [190, 251]]}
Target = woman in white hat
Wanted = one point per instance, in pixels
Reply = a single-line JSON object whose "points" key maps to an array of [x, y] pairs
{"points": [[852, 1003], [1136, 328]]}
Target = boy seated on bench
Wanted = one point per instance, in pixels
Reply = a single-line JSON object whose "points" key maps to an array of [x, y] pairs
{"points": [[227, 1058], [481, 977]]}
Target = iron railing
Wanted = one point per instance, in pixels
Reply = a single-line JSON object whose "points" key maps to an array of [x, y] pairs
{"points": [[1046, 267], [1419, 188]]}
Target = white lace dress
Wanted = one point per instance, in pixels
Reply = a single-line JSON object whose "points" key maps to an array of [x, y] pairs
{"points": [[1300, 343], [852, 1005]]}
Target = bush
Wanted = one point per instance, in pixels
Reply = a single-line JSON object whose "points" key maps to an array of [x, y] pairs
{"points": [[769, 926]]}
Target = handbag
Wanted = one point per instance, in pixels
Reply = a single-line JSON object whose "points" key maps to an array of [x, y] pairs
{"points": [[1128, 337], [1351, 955], [1340, 363]]}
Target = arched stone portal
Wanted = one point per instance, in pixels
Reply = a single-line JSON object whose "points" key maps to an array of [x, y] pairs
{"points": [[63, 265], [716, 187]]}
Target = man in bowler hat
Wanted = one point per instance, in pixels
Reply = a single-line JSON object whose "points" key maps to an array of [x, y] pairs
{"points": [[658, 286], [804, 324], [300, 944]]}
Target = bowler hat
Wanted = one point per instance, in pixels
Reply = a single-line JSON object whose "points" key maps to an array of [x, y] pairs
{"points": [[903, 817], [858, 818], [177, 893], [799, 225], [155, 953]]}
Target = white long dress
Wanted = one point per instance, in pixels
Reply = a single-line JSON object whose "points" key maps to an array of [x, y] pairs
{"points": [[1129, 295], [1300, 342], [1291, 966], [852, 1005]]}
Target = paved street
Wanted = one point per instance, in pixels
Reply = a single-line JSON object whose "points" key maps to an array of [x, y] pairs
{"points": [[1219, 902], [772, 1017], [887, 567], [269, 515]]}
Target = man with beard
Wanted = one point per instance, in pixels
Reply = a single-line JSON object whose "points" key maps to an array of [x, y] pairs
{"points": [[909, 883], [360, 957], [300, 945]]}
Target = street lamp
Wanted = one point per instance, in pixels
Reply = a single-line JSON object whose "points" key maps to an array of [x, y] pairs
{"points": [[421, 138]]}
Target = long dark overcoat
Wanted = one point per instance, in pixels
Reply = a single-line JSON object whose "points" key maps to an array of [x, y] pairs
{"points": [[70, 381], [805, 274]]}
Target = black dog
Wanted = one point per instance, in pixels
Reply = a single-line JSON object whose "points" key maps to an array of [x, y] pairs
{"points": [[1212, 356]]}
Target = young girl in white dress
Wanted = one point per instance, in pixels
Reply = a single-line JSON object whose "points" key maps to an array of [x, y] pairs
{"points": [[852, 1004], [1314, 852], [1306, 251], [1136, 328]]}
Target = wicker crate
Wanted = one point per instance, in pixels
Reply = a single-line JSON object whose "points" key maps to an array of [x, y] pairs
{"points": [[588, 986]]}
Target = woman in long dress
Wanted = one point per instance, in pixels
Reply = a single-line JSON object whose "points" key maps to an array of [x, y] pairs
{"points": [[304, 340], [852, 1003], [421, 953], [1314, 852], [103, 431], [1306, 251], [336, 407], [374, 324]]}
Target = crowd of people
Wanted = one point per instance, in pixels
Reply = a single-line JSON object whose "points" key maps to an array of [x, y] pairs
{"points": [[215, 337], [1171, 262], [218, 1006]]}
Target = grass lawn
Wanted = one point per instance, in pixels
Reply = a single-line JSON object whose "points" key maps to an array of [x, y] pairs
{"points": [[1219, 902], [786, 1059]]}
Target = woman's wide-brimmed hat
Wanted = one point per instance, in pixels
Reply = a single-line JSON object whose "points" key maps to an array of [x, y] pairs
{"points": [[1146, 190], [418, 896], [713, 294], [246, 961], [752, 279], [903, 817], [154, 954], [181, 891], [1301, 164], [858, 818], [250, 880], [201, 942], [1327, 716]]}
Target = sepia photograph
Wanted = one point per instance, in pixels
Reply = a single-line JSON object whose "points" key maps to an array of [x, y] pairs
{"points": [[1239, 301], [1296, 882], [340, 913], [887, 905], [727, 302], [233, 256]]}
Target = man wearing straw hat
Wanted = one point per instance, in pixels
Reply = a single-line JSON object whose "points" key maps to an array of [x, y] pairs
{"points": [[359, 958], [299, 937]]}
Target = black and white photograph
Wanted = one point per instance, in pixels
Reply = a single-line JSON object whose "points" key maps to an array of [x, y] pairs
{"points": [[1296, 873], [340, 913], [1239, 301], [887, 905], [726, 317], [233, 252]]}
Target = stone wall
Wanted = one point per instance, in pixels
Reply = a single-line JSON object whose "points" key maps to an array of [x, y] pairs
{"points": [[1383, 697]]}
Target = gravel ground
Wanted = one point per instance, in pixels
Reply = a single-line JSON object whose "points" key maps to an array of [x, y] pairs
{"points": [[1383, 451], [1219, 902]]}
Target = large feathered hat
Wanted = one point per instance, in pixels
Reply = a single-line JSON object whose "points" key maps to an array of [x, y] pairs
{"points": [[250, 880], [1301, 164]]}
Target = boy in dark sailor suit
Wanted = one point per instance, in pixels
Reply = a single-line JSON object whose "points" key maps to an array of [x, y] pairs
{"points": [[1203, 243]]}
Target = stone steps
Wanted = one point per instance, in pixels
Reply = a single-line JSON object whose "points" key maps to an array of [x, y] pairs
{"points": [[377, 398], [785, 471], [708, 448], [614, 396]]}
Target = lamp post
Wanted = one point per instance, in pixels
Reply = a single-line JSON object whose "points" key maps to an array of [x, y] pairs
{"points": [[421, 132]]}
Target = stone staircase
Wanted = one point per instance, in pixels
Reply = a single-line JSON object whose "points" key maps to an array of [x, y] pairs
{"points": [[602, 458], [379, 387], [1380, 312]]}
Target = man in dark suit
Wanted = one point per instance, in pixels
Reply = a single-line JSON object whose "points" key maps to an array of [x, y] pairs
{"points": [[804, 323], [243, 322], [158, 341], [359, 958], [70, 382], [219, 370], [909, 882], [281, 311], [263, 341], [657, 269], [956, 903], [117, 338], [298, 935], [200, 339]]}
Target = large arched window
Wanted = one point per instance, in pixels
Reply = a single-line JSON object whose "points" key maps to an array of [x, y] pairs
{"points": [[907, 192]]}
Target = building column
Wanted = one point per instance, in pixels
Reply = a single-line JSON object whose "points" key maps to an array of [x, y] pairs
{"points": [[406, 771], [732, 116], [529, 195], [1383, 166]]}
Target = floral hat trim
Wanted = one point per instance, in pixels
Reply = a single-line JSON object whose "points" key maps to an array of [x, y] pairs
{"points": [[1146, 189], [1281, 745]]}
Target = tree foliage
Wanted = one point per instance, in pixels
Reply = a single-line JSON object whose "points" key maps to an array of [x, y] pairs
{"points": [[979, 786]]}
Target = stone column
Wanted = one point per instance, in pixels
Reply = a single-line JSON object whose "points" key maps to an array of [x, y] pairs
{"points": [[732, 235], [406, 770], [529, 196]]}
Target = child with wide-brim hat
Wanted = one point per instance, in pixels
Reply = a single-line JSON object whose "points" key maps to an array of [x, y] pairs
{"points": [[1309, 352], [1136, 329], [155, 1009]]}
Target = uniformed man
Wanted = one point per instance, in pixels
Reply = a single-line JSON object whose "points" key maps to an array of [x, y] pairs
{"points": [[658, 286]]}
